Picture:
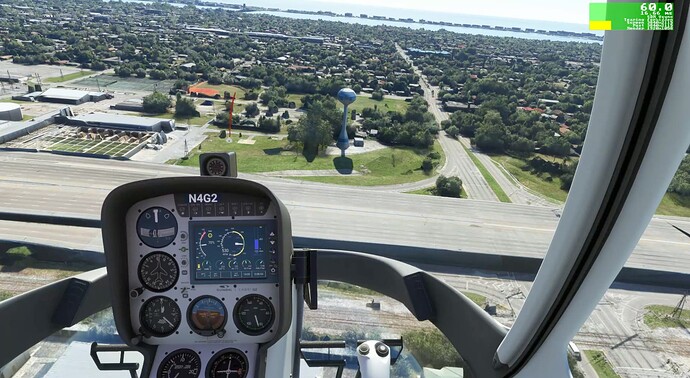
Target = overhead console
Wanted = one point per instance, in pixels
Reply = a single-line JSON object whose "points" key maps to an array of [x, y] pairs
{"points": [[200, 274]]}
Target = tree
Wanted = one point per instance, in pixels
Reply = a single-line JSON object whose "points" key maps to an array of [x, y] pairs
{"points": [[427, 165], [252, 110], [492, 134], [377, 95], [140, 72], [448, 186], [184, 107], [312, 131], [453, 131], [157, 103], [286, 114], [431, 348]]}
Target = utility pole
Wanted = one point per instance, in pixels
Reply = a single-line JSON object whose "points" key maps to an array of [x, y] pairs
{"points": [[62, 76], [678, 311]]}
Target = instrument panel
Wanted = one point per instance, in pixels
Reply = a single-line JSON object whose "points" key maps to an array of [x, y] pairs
{"points": [[205, 281]]}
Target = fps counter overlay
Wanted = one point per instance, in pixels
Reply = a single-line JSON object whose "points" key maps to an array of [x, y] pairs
{"points": [[240, 250]]}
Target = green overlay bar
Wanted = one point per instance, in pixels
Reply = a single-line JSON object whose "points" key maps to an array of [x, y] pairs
{"points": [[631, 16]]}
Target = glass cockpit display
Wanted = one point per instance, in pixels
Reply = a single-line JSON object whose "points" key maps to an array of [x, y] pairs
{"points": [[236, 251]]}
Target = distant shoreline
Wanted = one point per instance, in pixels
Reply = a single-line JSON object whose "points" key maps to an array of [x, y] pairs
{"points": [[249, 9]]}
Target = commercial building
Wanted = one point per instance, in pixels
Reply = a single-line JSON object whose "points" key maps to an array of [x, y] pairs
{"points": [[10, 112], [70, 96], [122, 122]]}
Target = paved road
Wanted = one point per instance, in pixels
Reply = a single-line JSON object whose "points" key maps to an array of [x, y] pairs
{"points": [[462, 166], [458, 162], [46, 183]]}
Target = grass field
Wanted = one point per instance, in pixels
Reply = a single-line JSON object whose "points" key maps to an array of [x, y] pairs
{"points": [[72, 76], [673, 204], [658, 316], [600, 364], [502, 196], [26, 117], [386, 166], [385, 105], [478, 299], [222, 88], [21, 260], [297, 98], [194, 121], [550, 189], [362, 102]]}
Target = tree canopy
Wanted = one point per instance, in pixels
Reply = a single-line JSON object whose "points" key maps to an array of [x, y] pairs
{"points": [[156, 103]]}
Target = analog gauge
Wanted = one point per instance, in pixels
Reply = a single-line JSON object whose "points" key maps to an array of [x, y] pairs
{"points": [[208, 244], [246, 264], [158, 271], [228, 363], [216, 167], [157, 227], [207, 315], [160, 316], [254, 314], [182, 363], [233, 243], [233, 264]]}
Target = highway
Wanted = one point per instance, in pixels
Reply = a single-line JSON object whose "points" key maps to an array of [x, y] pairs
{"points": [[43, 183]]}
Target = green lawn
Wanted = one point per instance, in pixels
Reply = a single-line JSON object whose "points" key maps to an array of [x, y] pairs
{"points": [[385, 105], [385, 166], [26, 117], [600, 364], [297, 98], [72, 76], [478, 299], [658, 316], [549, 189], [673, 204], [223, 87], [195, 121], [502, 196]]}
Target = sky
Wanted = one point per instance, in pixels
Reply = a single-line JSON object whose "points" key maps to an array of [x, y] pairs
{"points": [[572, 11]]}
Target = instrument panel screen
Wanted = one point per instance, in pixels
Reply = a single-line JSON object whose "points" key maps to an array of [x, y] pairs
{"points": [[232, 251]]}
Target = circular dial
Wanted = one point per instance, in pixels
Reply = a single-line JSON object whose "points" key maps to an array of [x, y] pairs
{"points": [[233, 243], [158, 271], [160, 316], [157, 227], [182, 363], [216, 167], [207, 315], [228, 363], [254, 314]]}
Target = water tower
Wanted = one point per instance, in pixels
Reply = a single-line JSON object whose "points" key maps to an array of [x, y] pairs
{"points": [[346, 96]]}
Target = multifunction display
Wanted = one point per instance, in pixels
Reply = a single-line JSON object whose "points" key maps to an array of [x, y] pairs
{"points": [[234, 251]]}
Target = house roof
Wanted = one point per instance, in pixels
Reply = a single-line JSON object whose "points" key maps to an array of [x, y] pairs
{"points": [[67, 94]]}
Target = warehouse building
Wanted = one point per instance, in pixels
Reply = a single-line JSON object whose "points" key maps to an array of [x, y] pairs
{"points": [[10, 112], [71, 96], [122, 122]]}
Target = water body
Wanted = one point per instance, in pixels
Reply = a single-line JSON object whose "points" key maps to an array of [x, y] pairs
{"points": [[476, 31], [357, 9]]}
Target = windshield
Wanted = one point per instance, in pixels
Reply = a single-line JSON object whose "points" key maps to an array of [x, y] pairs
{"points": [[448, 134]]}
